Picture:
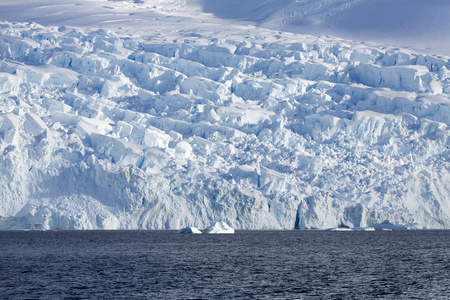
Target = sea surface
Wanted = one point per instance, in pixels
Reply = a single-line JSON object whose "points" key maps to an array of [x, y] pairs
{"points": [[247, 265]]}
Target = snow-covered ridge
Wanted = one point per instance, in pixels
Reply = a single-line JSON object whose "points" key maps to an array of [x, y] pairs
{"points": [[413, 24], [99, 130]]}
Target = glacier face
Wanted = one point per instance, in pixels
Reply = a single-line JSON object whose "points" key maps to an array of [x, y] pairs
{"points": [[105, 131]]}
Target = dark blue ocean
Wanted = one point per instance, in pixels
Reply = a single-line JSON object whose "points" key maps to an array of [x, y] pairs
{"points": [[248, 264]]}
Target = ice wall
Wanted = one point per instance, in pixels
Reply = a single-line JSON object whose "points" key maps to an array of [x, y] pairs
{"points": [[104, 131]]}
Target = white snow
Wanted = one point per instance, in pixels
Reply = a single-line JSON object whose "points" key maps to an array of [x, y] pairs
{"points": [[219, 227], [164, 113], [407, 23]]}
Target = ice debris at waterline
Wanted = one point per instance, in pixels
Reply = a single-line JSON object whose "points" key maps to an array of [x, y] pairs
{"points": [[385, 225], [101, 131], [219, 227], [188, 230]]}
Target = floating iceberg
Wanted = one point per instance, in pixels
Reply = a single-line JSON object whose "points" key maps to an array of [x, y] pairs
{"points": [[188, 230], [363, 229], [219, 227], [388, 226], [339, 229], [383, 226]]}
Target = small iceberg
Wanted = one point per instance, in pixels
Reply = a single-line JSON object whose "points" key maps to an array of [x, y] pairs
{"points": [[339, 229], [351, 229], [388, 226], [189, 230], [219, 227], [363, 229]]}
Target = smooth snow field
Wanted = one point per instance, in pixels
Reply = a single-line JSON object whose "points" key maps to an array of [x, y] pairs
{"points": [[168, 114]]}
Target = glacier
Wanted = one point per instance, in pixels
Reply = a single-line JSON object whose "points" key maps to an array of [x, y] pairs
{"points": [[261, 129]]}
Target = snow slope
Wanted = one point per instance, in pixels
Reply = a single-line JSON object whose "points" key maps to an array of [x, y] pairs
{"points": [[184, 121], [415, 24]]}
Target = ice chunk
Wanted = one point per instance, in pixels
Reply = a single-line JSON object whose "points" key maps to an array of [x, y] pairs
{"points": [[189, 230], [183, 150], [409, 78], [219, 227], [154, 158], [64, 118], [436, 87], [101, 126], [8, 82], [9, 129], [120, 151], [153, 137], [123, 129], [53, 105], [34, 124]]}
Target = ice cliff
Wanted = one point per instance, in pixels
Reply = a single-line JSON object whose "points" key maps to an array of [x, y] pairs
{"points": [[99, 130]]}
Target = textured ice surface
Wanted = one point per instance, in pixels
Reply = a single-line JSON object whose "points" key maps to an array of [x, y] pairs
{"points": [[219, 227], [259, 129]]}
